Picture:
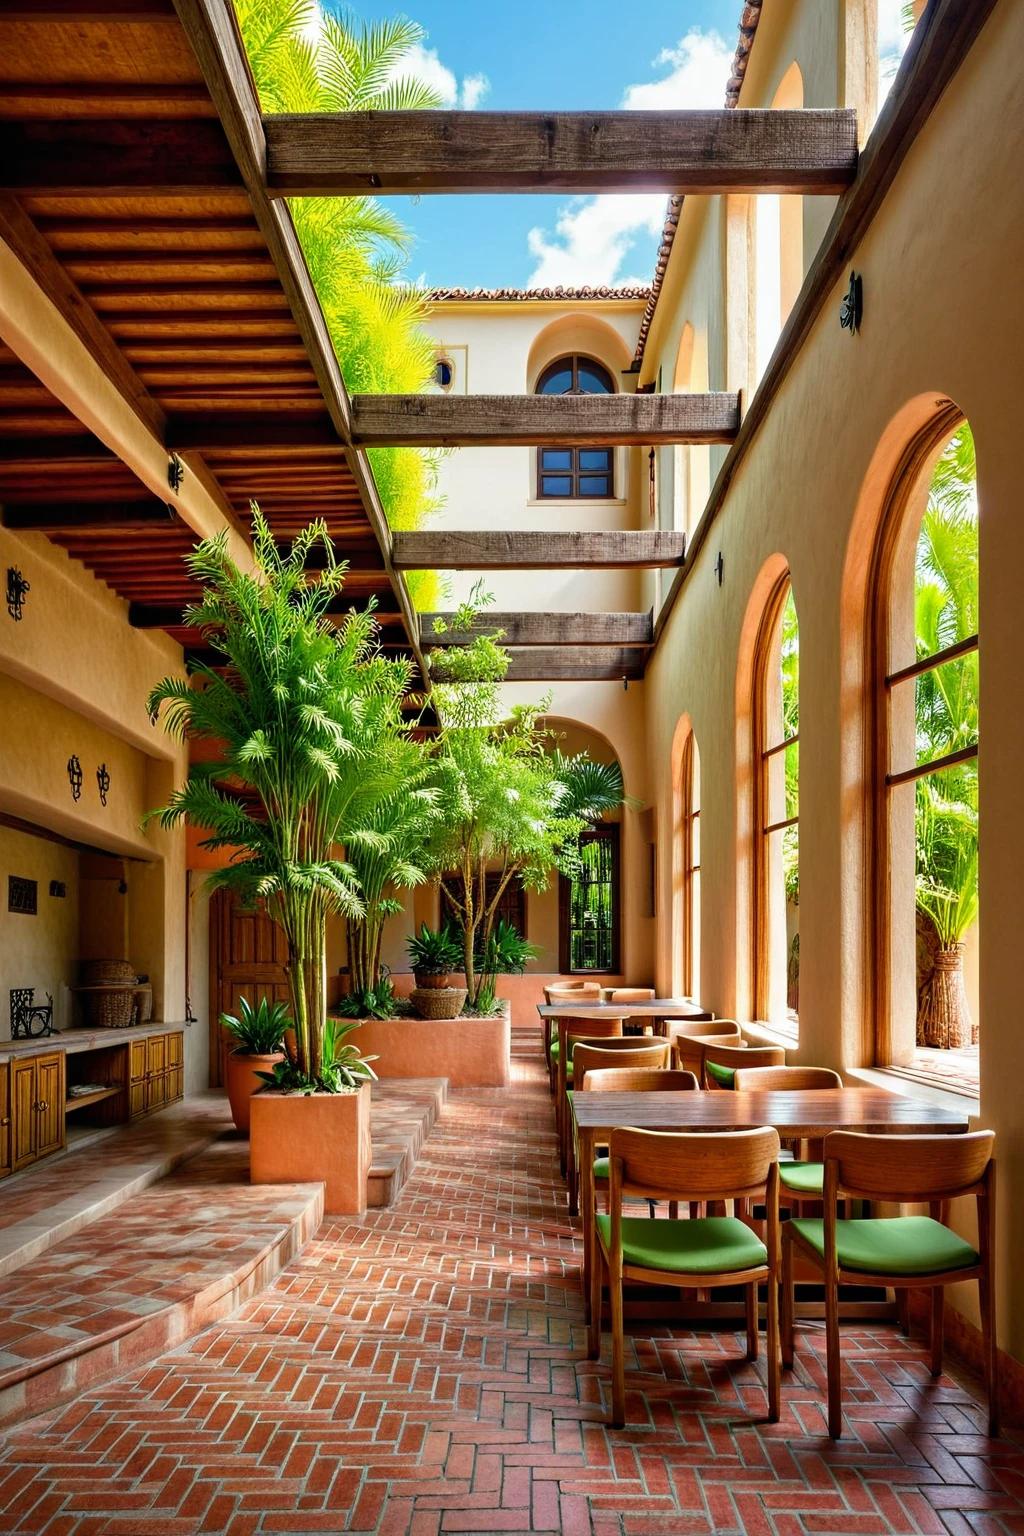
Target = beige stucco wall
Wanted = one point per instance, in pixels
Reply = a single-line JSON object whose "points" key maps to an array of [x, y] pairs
{"points": [[943, 319]]}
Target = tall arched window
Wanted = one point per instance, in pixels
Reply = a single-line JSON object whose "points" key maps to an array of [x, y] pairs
{"points": [[925, 662], [689, 860], [575, 474], [775, 716]]}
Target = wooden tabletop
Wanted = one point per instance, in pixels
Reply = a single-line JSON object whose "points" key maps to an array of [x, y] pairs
{"points": [[657, 1008], [803, 1113]]}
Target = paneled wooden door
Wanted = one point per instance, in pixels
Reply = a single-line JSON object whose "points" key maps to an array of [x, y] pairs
{"points": [[248, 952]]}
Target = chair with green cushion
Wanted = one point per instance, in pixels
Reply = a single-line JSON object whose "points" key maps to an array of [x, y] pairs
{"points": [[596, 1031], [628, 1079], [802, 1178], [629, 1050], [902, 1252], [719, 1064], [687, 1049], [709, 1252], [574, 993]]}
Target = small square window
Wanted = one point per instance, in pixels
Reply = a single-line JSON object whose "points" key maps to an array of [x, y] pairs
{"points": [[595, 459], [594, 485], [557, 458], [556, 485]]}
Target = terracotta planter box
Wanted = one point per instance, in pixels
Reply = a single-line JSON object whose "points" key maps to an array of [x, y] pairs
{"points": [[320, 1138], [470, 1053], [242, 1083]]}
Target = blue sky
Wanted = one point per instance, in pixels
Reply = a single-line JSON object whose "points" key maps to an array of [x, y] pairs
{"points": [[543, 54]]}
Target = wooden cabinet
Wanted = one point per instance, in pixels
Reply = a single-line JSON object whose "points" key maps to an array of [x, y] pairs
{"points": [[37, 1107], [156, 1073], [5, 1120]]}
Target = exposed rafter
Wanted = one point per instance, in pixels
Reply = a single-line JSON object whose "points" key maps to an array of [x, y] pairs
{"points": [[452, 421], [353, 153], [562, 664], [544, 629], [80, 517], [463, 550], [170, 157]]}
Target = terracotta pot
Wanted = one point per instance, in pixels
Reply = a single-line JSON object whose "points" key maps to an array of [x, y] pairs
{"points": [[317, 1138], [432, 980], [242, 1083]]}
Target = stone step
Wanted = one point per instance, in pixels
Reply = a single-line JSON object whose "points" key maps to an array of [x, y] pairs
{"points": [[403, 1111]]}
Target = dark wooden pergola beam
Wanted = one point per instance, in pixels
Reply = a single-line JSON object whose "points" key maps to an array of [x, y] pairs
{"points": [[465, 550], [66, 517], [64, 451], [169, 615], [253, 435], [729, 150], [169, 157], [545, 629], [454, 421], [539, 665]]}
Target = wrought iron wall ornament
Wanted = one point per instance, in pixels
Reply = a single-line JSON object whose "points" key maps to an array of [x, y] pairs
{"points": [[58, 888], [103, 780], [29, 1019], [22, 895], [75, 777], [720, 568], [175, 473], [17, 587], [853, 305]]}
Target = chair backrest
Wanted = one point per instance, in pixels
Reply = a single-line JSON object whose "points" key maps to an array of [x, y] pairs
{"points": [[590, 1031], [631, 995], [688, 1050], [720, 1062], [762, 1079], [632, 1053], [694, 1165], [639, 1080], [691, 1028], [573, 992], [908, 1168]]}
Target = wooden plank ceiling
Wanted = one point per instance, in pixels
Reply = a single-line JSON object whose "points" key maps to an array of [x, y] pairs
{"points": [[102, 107]]}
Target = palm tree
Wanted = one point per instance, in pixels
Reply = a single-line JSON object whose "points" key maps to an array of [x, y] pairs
{"points": [[307, 719]]}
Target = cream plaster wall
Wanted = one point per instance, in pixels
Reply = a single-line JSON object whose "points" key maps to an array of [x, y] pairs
{"points": [[38, 951], [943, 319]]}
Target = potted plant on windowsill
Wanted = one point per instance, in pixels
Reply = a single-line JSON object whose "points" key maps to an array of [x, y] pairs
{"points": [[308, 719], [258, 1032]]}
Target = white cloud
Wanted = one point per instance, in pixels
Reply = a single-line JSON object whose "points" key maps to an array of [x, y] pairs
{"points": [[424, 64], [593, 236]]}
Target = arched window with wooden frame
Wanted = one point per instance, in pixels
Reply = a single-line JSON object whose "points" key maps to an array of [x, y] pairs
{"points": [[923, 666], [775, 719], [583, 473], [689, 861]]}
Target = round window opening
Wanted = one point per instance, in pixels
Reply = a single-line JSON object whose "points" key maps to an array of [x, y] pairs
{"points": [[444, 373]]}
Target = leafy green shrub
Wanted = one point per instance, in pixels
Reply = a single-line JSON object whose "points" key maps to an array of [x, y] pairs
{"points": [[343, 1068], [258, 1031]]}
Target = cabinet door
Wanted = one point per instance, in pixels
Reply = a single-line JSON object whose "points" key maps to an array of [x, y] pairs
{"points": [[156, 1060], [137, 1099], [175, 1084], [156, 1091], [137, 1067], [176, 1049], [5, 1121], [24, 1117], [50, 1103]]}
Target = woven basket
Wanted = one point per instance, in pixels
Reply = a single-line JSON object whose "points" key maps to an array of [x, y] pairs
{"points": [[109, 1010], [108, 973], [438, 1002]]}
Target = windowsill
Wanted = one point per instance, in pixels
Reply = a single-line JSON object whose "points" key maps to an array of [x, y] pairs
{"points": [[771, 1034], [573, 503], [906, 1082]]}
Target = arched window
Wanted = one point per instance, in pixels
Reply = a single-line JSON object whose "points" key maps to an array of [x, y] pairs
{"points": [[775, 716], [925, 664], [575, 474], [689, 861]]}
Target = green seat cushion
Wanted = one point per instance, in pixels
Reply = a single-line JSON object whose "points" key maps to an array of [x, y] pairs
{"points": [[711, 1245], [602, 1167], [892, 1245], [725, 1077], [555, 1048], [802, 1178]]}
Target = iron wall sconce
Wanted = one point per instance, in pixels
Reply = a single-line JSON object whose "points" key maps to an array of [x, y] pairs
{"points": [[75, 777], [17, 587], [175, 473], [103, 781], [853, 305], [719, 568]]}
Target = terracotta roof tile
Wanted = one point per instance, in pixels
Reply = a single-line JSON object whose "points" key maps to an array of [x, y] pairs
{"points": [[483, 295]]}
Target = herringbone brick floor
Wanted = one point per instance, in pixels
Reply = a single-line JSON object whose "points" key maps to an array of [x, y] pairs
{"points": [[422, 1371]]}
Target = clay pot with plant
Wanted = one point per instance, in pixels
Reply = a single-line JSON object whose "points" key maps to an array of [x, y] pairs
{"points": [[258, 1032], [434, 954]]}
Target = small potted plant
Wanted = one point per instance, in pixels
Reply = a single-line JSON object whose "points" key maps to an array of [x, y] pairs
{"points": [[259, 1032], [434, 954]]}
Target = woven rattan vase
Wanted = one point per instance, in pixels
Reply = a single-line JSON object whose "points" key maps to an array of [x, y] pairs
{"points": [[438, 1002], [944, 1016]]}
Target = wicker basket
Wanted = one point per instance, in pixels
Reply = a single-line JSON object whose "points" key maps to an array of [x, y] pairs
{"points": [[438, 1002], [109, 1009], [108, 973]]}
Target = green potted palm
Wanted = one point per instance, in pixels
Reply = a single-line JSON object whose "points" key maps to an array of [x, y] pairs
{"points": [[434, 953], [258, 1032], [307, 719]]}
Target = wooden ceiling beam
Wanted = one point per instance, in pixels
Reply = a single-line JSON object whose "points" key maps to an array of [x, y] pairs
{"points": [[59, 452], [451, 421], [729, 150], [56, 517], [465, 550], [561, 664], [166, 157], [94, 12], [253, 434], [155, 615], [545, 629]]}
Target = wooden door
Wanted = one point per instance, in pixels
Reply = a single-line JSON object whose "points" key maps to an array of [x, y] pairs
{"points": [[248, 954], [50, 1103], [5, 1121], [24, 1117]]}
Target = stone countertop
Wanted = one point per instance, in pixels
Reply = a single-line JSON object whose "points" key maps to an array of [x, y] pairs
{"points": [[71, 1040]]}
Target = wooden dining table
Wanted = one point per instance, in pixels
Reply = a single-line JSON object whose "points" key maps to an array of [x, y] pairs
{"points": [[797, 1114], [657, 1011]]}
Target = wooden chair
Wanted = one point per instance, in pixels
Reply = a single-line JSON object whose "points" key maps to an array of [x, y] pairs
{"points": [[630, 994], [772, 1079], [801, 1178], [595, 1031], [627, 1049], [904, 1252], [566, 992], [642, 1079], [719, 1064], [688, 1050], [709, 1252]]}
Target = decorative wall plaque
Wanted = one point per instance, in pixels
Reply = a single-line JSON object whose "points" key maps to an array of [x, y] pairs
{"points": [[22, 895]]}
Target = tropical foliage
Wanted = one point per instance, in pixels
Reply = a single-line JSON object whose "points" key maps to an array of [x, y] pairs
{"points": [[343, 1068], [306, 59], [308, 726], [258, 1030]]}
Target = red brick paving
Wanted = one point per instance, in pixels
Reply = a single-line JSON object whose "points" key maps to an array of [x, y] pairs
{"points": [[422, 1372]]}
